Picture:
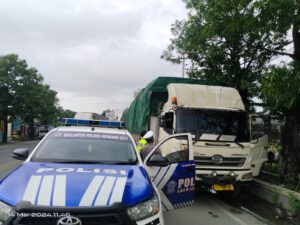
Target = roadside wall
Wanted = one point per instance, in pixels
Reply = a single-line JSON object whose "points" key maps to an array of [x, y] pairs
{"points": [[273, 194]]}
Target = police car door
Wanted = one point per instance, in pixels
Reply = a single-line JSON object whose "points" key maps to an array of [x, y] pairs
{"points": [[172, 169]]}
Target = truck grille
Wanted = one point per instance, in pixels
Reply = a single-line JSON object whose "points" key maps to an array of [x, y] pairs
{"points": [[221, 162]]}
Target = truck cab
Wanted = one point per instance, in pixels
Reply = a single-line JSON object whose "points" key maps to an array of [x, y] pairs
{"points": [[225, 153]]}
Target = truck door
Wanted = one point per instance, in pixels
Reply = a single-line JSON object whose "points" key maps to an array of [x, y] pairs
{"points": [[259, 143], [171, 168]]}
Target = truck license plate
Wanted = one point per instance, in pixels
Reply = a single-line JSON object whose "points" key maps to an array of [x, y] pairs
{"points": [[223, 187]]}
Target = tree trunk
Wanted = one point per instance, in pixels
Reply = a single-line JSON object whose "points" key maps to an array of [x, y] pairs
{"points": [[31, 128], [296, 36], [245, 97], [290, 135], [291, 147], [4, 137]]}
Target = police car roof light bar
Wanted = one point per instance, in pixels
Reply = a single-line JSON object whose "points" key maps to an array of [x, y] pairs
{"points": [[93, 123]]}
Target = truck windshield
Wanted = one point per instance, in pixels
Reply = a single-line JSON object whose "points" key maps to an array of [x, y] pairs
{"points": [[213, 125], [85, 147]]}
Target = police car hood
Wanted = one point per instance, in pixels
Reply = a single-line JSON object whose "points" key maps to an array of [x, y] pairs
{"points": [[73, 185]]}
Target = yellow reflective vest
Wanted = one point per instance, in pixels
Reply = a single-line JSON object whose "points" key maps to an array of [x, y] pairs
{"points": [[141, 144]]}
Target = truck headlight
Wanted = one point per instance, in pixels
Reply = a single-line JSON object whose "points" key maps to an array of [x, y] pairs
{"points": [[145, 209], [5, 211]]}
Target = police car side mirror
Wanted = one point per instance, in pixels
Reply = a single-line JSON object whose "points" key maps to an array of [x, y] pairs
{"points": [[20, 153], [158, 160]]}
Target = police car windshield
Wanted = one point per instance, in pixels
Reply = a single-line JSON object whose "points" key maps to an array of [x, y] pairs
{"points": [[86, 147]]}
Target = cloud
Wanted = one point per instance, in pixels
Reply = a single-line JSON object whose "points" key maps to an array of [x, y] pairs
{"points": [[91, 51]]}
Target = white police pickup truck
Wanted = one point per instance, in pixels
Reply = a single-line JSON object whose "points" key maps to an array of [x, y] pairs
{"points": [[89, 175]]}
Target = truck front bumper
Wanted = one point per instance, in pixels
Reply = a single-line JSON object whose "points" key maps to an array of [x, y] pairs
{"points": [[222, 180], [223, 176]]}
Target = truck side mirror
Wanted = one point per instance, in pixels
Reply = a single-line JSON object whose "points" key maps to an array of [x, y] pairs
{"points": [[166, 122]]}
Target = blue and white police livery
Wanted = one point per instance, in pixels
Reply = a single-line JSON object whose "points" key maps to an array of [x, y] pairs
{"points": [[92, 174]]}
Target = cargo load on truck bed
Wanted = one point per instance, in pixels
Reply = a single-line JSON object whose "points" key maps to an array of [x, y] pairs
{"points": [[146, 102]]}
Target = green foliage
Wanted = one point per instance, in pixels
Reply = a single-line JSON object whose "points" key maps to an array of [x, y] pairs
{"points": [[24, 94], [281, 89], [275, 147], [62, 113], [294, 204], [24, 91], [231, 41], [275, 199], [272, 168]]}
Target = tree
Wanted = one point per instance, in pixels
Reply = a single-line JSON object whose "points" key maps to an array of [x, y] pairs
{"points": [[230, 42], [37, 102], [23, 94], [65, 113], [11, 70], [281, 92]]}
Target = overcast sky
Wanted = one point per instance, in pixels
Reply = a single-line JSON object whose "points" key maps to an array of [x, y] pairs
{"points": [[94, 53]]}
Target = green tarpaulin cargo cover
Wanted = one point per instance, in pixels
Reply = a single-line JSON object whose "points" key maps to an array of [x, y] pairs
{"points": [[149, 100]]}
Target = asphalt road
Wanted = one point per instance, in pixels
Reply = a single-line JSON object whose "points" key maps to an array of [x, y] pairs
{"points": [[212, 209], [208, 210], [7, 163]]}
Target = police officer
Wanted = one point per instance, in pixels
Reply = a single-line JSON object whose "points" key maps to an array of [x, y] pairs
{"points": [[141, 143], [149, 137]]}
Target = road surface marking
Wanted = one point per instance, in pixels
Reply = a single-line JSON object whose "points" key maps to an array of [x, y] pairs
{"points": [[8, 165], [6, 150]]}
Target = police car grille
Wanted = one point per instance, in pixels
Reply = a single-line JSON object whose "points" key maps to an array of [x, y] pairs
{"points": [[86, 220], [226, 161]]}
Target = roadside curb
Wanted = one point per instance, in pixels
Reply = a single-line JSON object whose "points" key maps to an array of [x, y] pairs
{"points": [[16, 142], [9, 142], [274, 194]]}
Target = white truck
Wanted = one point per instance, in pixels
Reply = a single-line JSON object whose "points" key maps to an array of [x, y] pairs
{"points": [[225, 152]]}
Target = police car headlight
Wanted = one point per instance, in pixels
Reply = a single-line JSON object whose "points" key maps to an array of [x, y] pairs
{"points": [[5, 211], [144, 210]]}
